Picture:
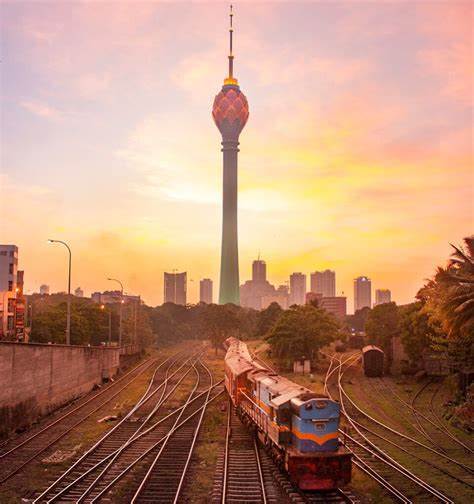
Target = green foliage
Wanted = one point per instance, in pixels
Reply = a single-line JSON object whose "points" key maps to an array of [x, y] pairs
{"points": [[218, 323], [448, 301], [89, 322], [383, 324], [302, 331], [416, 330], [358, 320], [267, 318], [171, 323]]}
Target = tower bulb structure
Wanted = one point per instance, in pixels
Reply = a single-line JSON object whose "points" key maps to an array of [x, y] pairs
{"points": [[230, 112]]}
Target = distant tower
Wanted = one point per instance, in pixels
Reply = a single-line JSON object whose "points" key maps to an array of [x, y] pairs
{"points": [[324, 282], [382, 296], [175, 288], [259, 271], [205, 291], [362, 293], [297, 288], [230, 112]]}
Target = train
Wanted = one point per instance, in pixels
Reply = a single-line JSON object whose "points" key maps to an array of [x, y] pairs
{"points": [[298, 427], [372, 359]]}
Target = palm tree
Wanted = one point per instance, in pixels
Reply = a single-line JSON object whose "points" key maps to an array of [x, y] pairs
{"points": [[454, 290], [457, 280]]}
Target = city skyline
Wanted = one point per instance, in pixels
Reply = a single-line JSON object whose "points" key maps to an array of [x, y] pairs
{"points": [[348, 173], [259, 278]]}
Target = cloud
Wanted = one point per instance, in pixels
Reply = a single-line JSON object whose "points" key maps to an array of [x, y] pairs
{"points": [[92, 85], [41, 110], [454, 67]]}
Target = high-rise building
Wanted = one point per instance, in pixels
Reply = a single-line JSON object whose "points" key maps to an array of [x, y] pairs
{"points": [[324, 282], [362, 293], [253, 292], [297, 289], [44, 290], [230, 112], [175, 288], [259, 271], [382, 296], [337, 305], [79, 292], [205, 291], [8, 289]]}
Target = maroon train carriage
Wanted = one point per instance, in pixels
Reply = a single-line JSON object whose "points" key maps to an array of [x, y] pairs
{"points": [[372, 359], [298, 427]]}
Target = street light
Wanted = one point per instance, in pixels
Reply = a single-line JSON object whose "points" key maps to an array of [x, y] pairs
{"points": [[68, 318], [120, 311]]}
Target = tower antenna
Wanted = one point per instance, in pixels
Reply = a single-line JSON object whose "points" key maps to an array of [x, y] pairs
{"points": [[230, 79]]}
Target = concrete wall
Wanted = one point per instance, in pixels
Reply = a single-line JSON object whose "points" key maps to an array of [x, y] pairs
{"points": [[36, 378]]}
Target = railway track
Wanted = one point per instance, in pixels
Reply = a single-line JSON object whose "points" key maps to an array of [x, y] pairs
{"points": [[434, 419], [19, 452], [77, 483], [450, 472], [164, 479], [147, 456], [427, 423], [242, 474], [402, 483]]}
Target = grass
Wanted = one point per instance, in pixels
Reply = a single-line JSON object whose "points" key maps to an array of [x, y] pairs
{"points": [[386, 408], [367, 490]]}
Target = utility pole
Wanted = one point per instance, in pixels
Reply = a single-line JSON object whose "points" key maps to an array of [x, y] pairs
{"points": [[68, 317]]}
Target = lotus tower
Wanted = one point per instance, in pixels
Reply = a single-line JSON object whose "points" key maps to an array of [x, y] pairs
{"points": [[230, 112]]}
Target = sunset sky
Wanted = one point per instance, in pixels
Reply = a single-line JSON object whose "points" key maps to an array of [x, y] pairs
{"points": [[357, 155]]}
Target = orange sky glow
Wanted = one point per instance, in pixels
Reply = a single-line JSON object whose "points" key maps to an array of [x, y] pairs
{"points": [[357, 156]]}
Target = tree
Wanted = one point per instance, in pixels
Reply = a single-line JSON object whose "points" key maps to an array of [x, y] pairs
{"points": [[267, 318], [358, 320], [449, 302], [416, 330], [383, 324], [219, 323], [89, 324], [301, 331]]}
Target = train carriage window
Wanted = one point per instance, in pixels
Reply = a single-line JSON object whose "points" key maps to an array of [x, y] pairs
{"points": [[321, 404], [308, 406], [319, 425]]}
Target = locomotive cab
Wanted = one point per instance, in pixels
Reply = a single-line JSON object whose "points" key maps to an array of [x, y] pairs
{"points": [[315, 422]]}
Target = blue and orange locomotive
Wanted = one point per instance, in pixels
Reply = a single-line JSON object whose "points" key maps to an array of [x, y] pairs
{"points": [[299, 427]]}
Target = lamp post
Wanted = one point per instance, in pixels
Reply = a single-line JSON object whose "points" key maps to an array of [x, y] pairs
{"points": [[68, 317], [120, 310]]}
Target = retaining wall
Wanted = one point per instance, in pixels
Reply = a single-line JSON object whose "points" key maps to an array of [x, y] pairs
{"points": [[37, 378]]}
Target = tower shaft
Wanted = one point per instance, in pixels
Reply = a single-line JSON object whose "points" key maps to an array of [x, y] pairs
{"points": [[229, 277]]}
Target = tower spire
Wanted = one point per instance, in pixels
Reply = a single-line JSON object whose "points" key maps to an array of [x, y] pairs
{"points": [[231, 80]]}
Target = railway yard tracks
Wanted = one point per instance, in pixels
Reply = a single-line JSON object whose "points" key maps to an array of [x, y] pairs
{"points": [[145, 457], [370, 440], [26, 448]]}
